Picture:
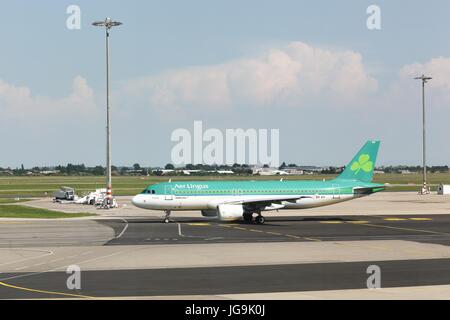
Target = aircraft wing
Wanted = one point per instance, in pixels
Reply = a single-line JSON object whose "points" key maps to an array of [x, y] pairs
{"points": [[260, 201]]}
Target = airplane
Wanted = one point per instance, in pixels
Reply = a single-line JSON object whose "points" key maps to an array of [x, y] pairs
{"points": [[247, 200]]}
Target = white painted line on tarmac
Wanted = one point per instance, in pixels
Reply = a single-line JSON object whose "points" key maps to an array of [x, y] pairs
{"points": [[184, 236], [60, 267], [20, 268], [124, 229], [39, 264], [46, 253], [331, 222]]}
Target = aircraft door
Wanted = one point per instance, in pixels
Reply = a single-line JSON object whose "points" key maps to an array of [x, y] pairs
{"points": [[336, 192], [168, 193]]}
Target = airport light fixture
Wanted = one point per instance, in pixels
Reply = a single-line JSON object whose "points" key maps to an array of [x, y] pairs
{"points": [[108, 24], [425, 189]]}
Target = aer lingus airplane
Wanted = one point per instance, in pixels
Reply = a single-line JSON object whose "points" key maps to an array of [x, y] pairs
{"points": [[233, 200]]}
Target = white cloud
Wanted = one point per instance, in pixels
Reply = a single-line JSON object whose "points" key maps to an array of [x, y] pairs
{"points": [[18, 102], [439, 87], [293, 75]]}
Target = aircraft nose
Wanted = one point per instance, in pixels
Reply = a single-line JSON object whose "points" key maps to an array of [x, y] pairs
{"points": [[137, 201]]}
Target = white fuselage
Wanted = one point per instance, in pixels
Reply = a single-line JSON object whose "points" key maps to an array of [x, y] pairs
{"points": [[182, 203]]}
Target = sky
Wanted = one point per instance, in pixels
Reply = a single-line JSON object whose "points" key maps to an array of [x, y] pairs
{"points": [[311, 69]]}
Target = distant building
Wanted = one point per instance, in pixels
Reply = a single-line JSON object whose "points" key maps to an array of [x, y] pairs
{"points": [[190, 172], [166, 171], [225, 172], [294, 171], [49, 172], [311, 168], [298, 170], [269, 171]]}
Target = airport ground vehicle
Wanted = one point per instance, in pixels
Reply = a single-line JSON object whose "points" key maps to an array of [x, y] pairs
{"points": [[64, 194]]}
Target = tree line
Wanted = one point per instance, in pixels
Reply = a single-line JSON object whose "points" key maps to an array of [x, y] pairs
{"points": [[137, 169]]}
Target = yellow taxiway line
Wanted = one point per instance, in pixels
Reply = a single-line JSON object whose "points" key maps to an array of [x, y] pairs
{"points": [[47, 292]]}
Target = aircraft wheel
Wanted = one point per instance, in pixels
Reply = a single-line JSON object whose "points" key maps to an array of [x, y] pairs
{"points": [[167, 217], [260, 220]]}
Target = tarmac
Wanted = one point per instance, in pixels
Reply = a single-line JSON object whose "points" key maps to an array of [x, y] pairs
{"points": [[322, 253]]}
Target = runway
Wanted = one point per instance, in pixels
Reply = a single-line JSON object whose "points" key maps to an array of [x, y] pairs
{"points": [[321, 253]]}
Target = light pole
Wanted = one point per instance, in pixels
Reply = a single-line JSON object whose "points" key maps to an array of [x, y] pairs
{"points": [[424, 80], [108, 24]]}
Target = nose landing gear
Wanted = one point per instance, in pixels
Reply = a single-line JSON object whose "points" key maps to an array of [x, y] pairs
{"points": [[167, 217]]}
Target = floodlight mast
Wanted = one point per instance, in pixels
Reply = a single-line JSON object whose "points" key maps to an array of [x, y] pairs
{"points": [[108, 24], [425, 189]]}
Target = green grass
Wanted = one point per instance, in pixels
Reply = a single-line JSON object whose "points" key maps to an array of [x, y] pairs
{"points": [[18, 211], [11, 187], [394, 178]]}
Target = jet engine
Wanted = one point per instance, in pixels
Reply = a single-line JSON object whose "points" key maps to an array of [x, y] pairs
{"points": [[210, 213], [227, 212]]}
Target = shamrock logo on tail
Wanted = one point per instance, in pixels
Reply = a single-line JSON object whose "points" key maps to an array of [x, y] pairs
{"points": [[363, 164]]}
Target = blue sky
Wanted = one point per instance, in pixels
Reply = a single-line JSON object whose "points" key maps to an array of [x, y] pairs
{"points": [[52, 84]]}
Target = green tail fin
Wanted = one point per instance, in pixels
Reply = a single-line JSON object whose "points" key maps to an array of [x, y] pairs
{"points": [[362, 166]]}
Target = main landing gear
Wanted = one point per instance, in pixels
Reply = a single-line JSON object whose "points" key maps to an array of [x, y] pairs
{"points": [[260, 219], [248, 218], [167, 217]]}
